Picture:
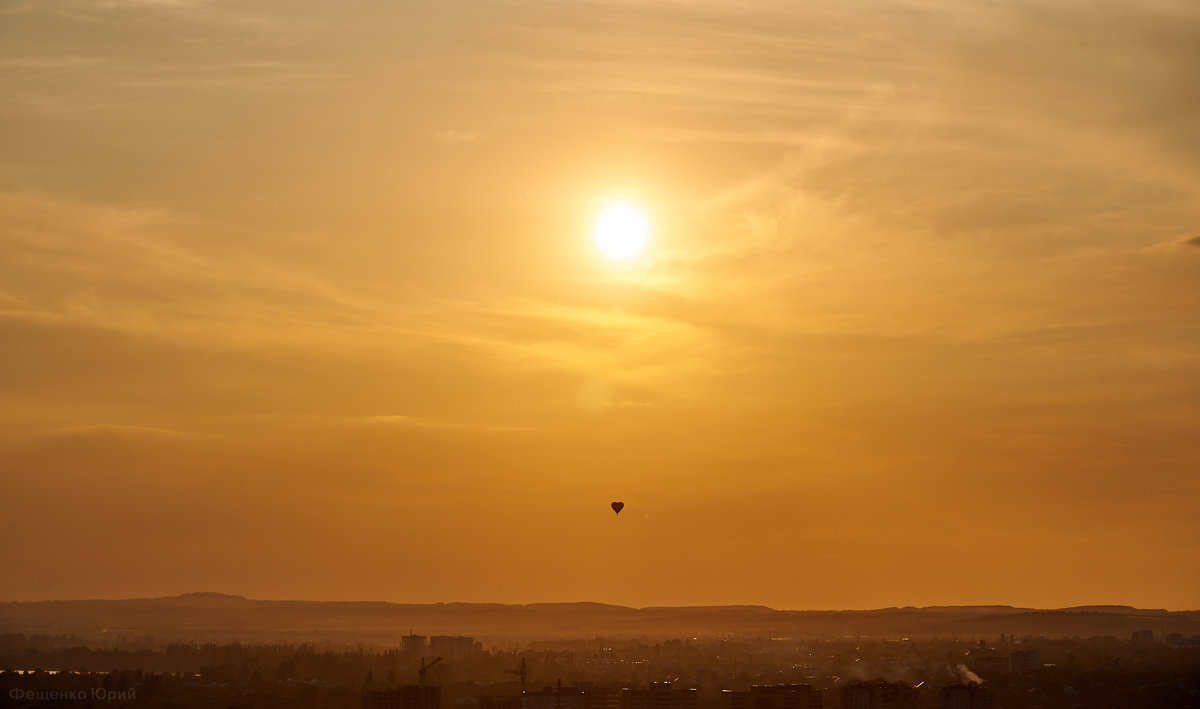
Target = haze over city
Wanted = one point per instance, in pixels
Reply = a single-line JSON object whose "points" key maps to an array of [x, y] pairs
{"points": [[852, 305]]}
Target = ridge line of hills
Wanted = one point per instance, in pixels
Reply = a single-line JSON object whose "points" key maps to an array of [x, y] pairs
{"points": [[218, 599], [209, 616]]}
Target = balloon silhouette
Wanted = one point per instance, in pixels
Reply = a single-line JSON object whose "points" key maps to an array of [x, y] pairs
{"points": [[618, 506]]}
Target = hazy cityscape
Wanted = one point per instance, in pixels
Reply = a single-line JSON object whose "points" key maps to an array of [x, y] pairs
{"points": [[215, 664]]}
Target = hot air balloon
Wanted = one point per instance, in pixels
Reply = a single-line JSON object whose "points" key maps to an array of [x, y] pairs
{"points": [[618, 506]]}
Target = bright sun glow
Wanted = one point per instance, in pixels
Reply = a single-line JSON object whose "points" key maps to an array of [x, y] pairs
{"points": [[621, 231]]}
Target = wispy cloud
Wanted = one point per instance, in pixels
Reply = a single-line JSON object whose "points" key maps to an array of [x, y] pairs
{"points": [[118, 431], [419, 422], [119, 267], [455, 136]]}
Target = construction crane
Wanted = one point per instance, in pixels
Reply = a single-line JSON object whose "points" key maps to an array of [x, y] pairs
{"points": [[425, 668], [520, 672]]}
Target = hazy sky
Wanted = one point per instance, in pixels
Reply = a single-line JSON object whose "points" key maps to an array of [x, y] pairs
{"points": [[299, 300]]}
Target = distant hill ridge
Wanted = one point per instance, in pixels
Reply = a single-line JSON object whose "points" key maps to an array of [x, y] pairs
{"points": [[212, 616]]}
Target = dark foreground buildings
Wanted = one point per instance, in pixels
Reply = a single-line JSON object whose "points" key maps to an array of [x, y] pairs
{"points": [[584, 695], [965, 696], [662, 695], [774, 696], [879, 695], [659, 695], [408, 697]]}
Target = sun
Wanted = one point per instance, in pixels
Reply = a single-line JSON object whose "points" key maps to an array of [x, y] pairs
{"points": [[621, 231]]}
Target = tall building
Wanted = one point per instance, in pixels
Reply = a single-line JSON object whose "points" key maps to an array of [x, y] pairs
{"points": [[774, 696], [879, 695], [660, 695], [1025, 661], [965, 696], [406, 697], [454, 646], [991, 664], [413, 644]]}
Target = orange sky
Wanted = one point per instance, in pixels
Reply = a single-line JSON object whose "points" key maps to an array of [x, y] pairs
{"points": [[299, 300]]}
